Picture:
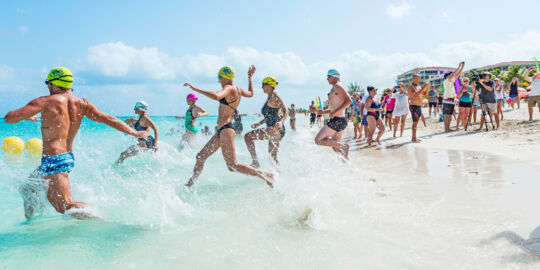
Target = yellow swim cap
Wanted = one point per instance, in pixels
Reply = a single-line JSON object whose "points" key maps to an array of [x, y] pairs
{"points": [[272, 81], [226, 72], [61, 77]]}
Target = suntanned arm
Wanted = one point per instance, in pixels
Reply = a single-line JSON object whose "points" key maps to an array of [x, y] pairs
{"points": [[213, 95], [94, 114], [156, 131], [346, 102], [32, 108], [200, 112], [284, 109]]}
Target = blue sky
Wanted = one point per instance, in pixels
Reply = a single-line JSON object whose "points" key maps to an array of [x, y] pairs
{"points": [[124, 51]]}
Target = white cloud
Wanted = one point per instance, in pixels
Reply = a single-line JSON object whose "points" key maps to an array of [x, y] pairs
{"points": [[398, 11], [119, 60], [23, 29]]}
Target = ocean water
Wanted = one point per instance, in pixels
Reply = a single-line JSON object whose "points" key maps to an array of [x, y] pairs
{"points": [[387, 208]]}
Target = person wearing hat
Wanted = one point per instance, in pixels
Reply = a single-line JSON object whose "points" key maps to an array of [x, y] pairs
{"points": [[229, 98], [338, 100], [487, 96], [275, 124], [143, 123], [61, 116], [193, 112]]}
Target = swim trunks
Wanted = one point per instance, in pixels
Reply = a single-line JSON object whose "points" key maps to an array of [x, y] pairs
{"points": [[416, 112], [533, 101], [448, 109], [338, 123], [312, 118], [56, 164], [364, 120]]}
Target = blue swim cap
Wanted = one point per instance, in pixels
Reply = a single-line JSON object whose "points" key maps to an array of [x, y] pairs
{"points": [[333, 73]]}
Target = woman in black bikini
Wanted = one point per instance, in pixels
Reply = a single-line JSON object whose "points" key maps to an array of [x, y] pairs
{"points": [[229, 99], [275, 128], [143, 123], [373, 115], [514, 94]]}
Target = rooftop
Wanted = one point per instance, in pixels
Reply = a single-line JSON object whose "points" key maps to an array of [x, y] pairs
{"points": [[511, 63], [423, 68]]}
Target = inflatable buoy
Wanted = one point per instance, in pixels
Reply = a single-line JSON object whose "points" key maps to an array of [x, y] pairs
{"points": [[34, 146], [12, 145]]}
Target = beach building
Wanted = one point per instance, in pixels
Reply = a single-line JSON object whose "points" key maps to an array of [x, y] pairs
{"points": [[503, 66], [433, 74]]}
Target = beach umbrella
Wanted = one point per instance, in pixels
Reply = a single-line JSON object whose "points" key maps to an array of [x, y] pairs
{"points": [[522, 92]]}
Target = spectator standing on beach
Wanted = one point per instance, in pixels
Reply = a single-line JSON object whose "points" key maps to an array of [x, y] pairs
{"points": [[487, 96], [449, 95], [433, 97], [499, 96], [513, 89], [416, 93], [534, 95]]}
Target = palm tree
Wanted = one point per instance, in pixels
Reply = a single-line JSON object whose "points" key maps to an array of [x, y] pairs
{"points": [[354, 88]]}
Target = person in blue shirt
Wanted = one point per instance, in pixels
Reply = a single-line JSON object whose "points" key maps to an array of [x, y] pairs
{"points": [[466, 93]]}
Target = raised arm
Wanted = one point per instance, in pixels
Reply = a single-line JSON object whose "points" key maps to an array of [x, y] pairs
{"points": [[213, 95], [527, 77], [94, 114], [458, 71], [25, 113]]}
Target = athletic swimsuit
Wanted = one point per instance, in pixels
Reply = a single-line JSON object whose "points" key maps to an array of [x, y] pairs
{"points": [[56, 164], [513, 90], [236, 117], [271, 116], [189, 120], [149, 141], [374, 105], [337, 123]]}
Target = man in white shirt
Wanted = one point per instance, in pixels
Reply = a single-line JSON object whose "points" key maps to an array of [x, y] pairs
{"points": [[534, 95], [449, 95]]}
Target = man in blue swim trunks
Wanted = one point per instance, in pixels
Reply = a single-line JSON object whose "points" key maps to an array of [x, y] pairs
{"points": [[61, 116]]}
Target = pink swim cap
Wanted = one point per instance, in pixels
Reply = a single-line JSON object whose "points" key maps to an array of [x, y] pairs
{"points": [[192, 96]]}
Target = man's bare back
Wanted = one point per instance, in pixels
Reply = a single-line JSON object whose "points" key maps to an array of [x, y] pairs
{"points": [[62, 113]]}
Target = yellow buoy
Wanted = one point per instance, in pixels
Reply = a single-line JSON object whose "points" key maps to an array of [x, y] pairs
{"points": [[12, 145], [34, 146]]}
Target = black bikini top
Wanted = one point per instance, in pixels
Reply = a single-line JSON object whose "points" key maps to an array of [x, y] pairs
{"points": [[225, 102]]}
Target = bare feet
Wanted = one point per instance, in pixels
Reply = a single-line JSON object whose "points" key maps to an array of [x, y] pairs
{"points": [[416, 140], [345, 151], [189, 183], [255, 164]]}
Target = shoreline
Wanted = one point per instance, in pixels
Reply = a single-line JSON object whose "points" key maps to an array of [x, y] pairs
{"points": [[516, 139]]}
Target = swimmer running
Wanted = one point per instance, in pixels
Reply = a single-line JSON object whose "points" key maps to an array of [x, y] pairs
{"points": [[61, 116], [275, 128], [374, 116], [338, 101], [193, 112], [229, 99], [143, 123]]}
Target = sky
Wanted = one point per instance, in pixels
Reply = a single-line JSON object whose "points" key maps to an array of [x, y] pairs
{"points": [[124, 51]]}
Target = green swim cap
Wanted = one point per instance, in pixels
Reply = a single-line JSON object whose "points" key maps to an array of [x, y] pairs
{"points": [[226, 72], [61, 77]]}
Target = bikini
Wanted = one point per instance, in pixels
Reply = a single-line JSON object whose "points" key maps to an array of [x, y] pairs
{"points": [[236, 116]]}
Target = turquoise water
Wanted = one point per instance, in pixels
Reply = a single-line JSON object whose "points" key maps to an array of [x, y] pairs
{"points": [[406, 208]]}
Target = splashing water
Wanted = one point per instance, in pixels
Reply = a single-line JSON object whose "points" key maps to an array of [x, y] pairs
{"points": [[406, 208]]}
